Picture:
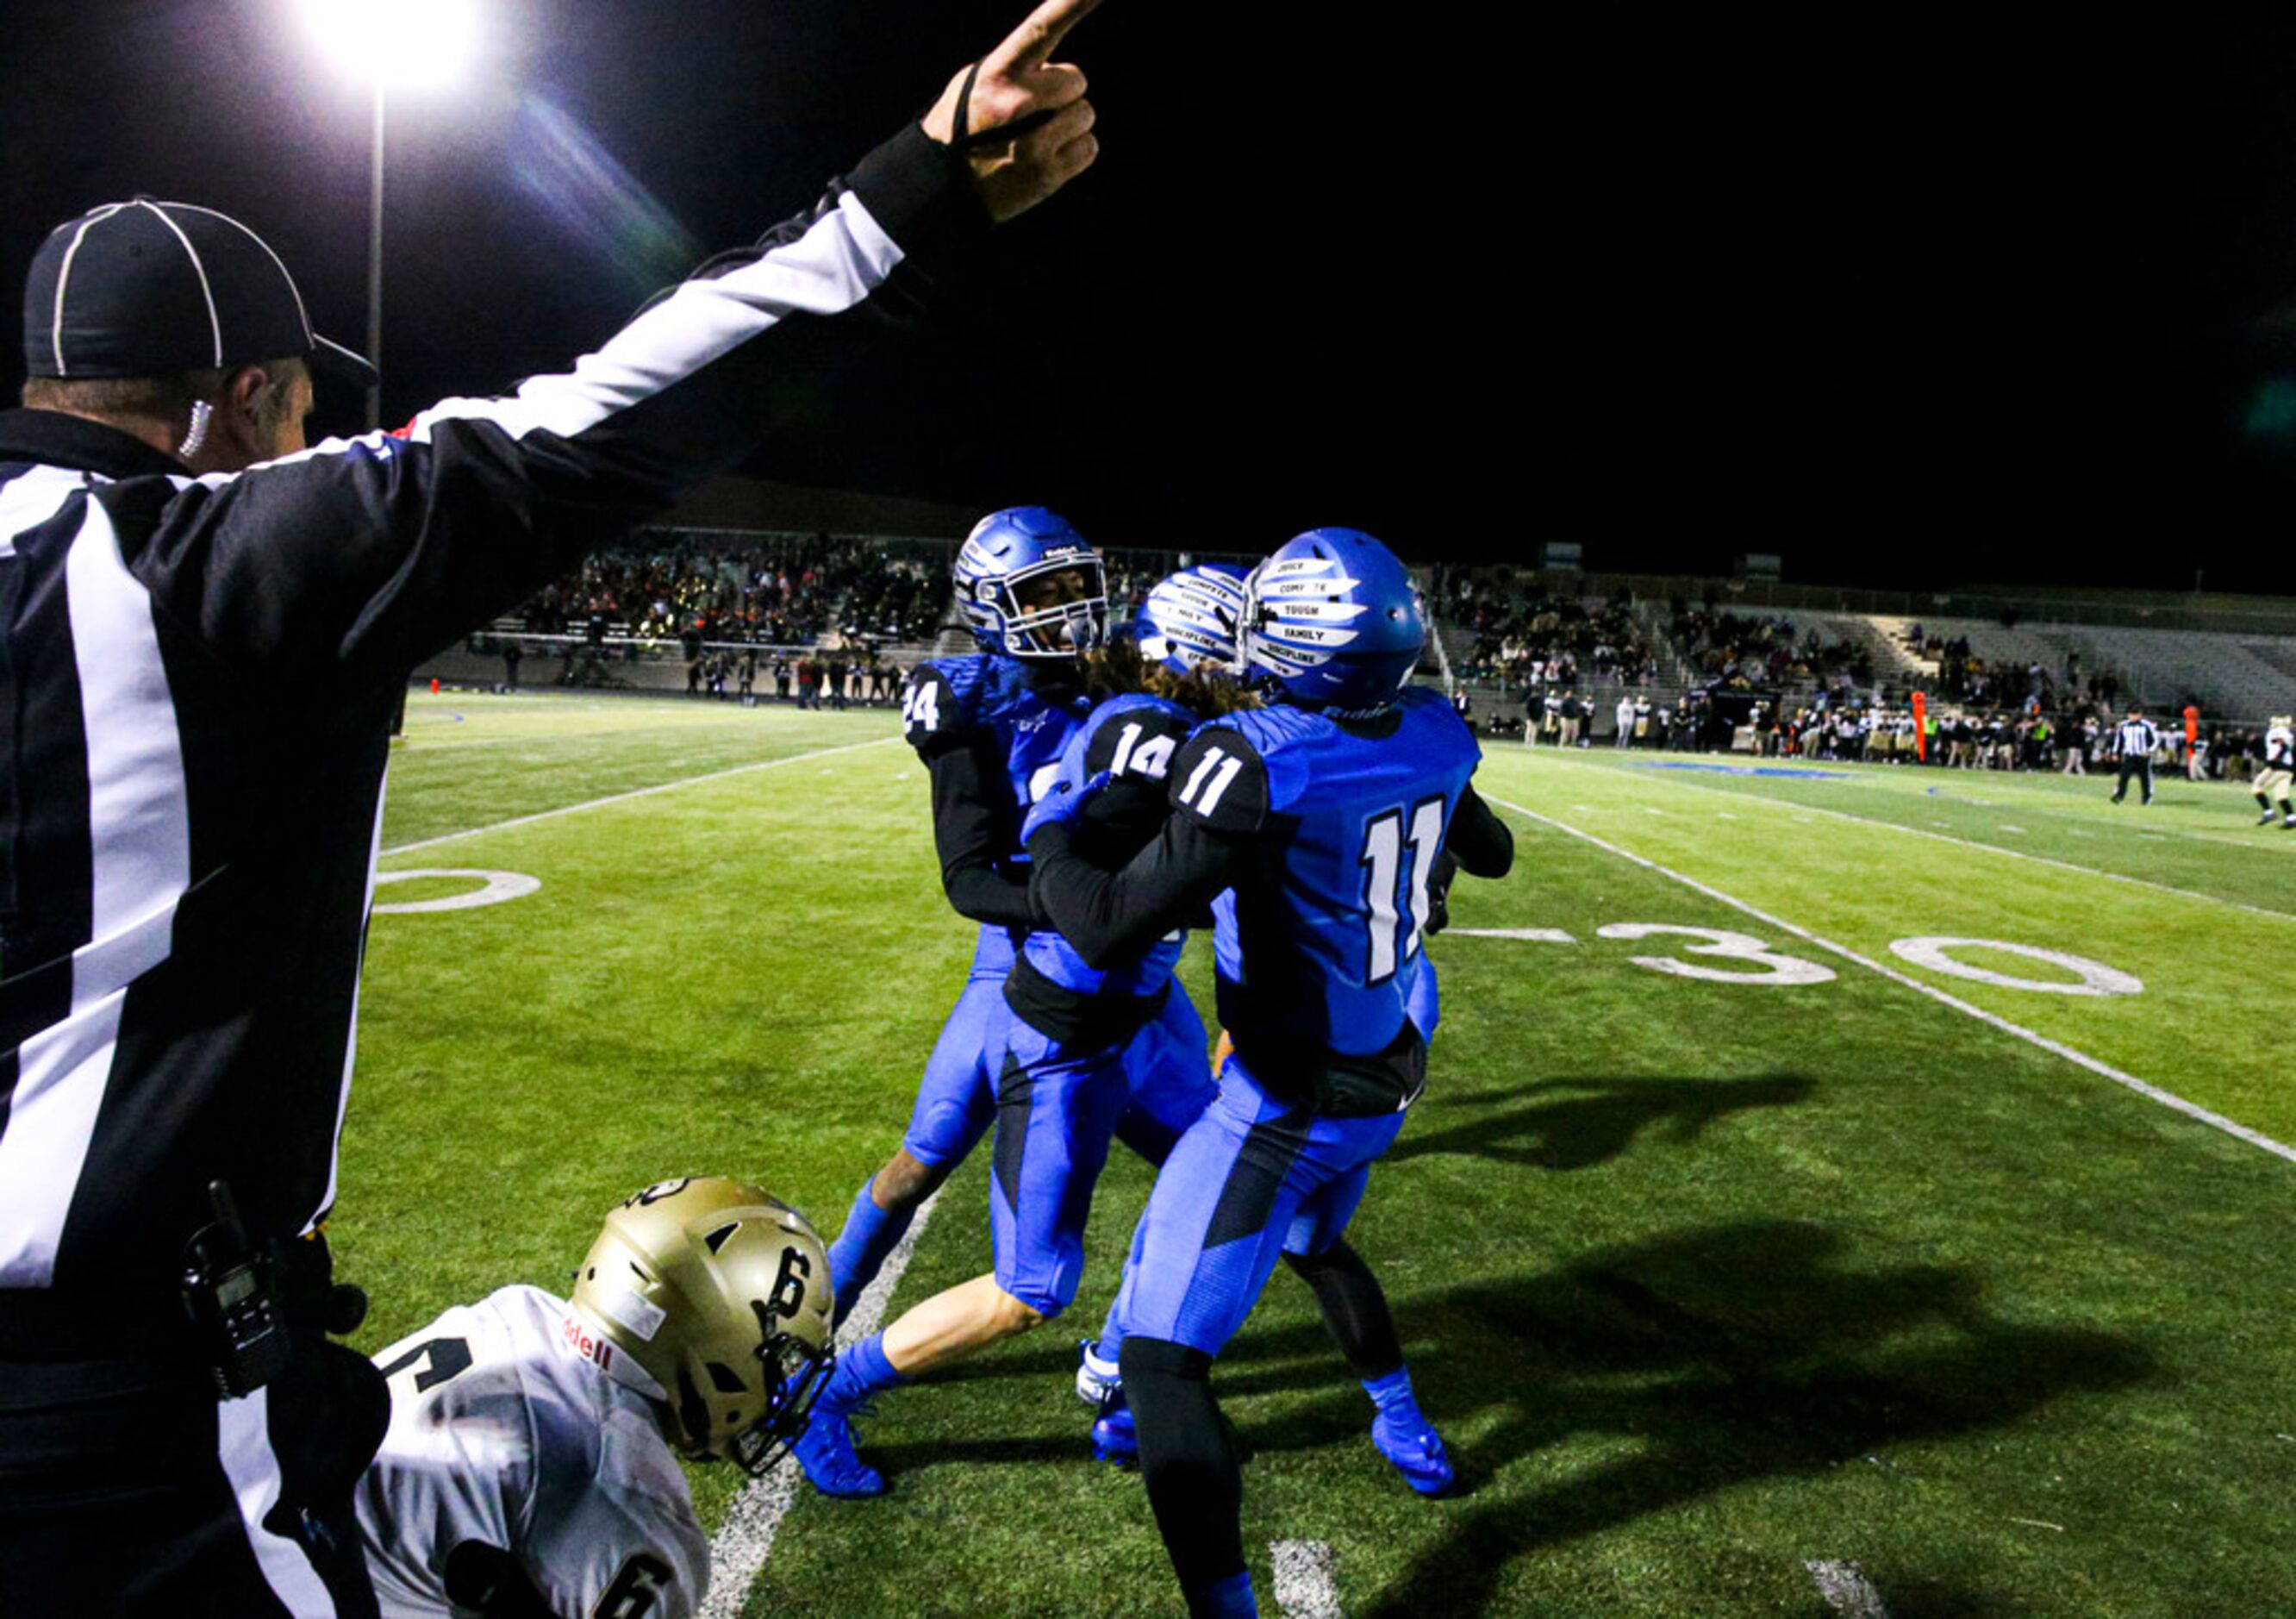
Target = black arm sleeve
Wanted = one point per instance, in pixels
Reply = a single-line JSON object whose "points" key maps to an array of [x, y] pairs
{"points": [[973, 830], [1110, 916], [1478, 839]]}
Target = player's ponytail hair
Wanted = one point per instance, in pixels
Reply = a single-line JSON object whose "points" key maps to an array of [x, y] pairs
{"points": [[1115, 669], [1118, 669]]}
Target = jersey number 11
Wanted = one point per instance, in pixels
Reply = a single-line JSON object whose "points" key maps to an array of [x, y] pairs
{"points": [[1386, 875]]}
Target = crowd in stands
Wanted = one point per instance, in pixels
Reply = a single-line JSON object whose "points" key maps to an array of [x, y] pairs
{"points": [[1963, 676], [1527, 637], [1741, 652], [2077, 740], [802, 620], [663, 585]]}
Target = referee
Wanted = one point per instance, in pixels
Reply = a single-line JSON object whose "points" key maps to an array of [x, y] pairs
{"points": [[204, 629], [2133, 741]]}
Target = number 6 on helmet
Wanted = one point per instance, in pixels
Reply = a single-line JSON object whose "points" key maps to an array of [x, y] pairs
{"points": [[722, 1294]]}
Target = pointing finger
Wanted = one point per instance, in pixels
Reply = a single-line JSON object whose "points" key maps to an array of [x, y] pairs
{"points": [[1033, 42]]}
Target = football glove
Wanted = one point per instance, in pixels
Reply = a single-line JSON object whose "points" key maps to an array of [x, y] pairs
{"points": [[1062, 804], [1438, 892]]}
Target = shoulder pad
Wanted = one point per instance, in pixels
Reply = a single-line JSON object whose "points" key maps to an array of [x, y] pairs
{"points": [[935, 704], [942, 699], [1221, 780], [1437, 709], [1135, 735], [1272, 728]]}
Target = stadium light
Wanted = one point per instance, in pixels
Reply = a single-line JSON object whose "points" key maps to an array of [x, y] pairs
{"points": [[398, 44], [401, 45]]}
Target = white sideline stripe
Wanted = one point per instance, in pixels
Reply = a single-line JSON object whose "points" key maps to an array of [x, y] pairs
{"points": [[746, 1538], [2012, 854], [1304, 1587], [1846, 1589], [624, 798], [1876, 776], [2167, 1098]]}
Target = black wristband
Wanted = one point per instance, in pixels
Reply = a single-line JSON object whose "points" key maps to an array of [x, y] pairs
{"points": [[964, 137]]}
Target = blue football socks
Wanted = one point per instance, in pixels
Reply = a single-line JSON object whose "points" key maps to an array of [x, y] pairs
{"points": [[858, 1254], [862, 1371], [1229, 1598], [1403, 1435], [1393, 1392]]}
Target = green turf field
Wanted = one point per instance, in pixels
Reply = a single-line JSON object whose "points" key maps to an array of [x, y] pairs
{"points": [[1832, 1254]]}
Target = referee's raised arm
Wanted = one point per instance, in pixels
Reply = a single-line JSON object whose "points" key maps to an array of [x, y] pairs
{"points": [[204, 628]]}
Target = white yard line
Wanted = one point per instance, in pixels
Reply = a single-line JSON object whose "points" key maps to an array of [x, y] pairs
{"points": [[746, 1537], [624, 798], [1845, 1589], [428, 744], [1878, 776], [1304, 1587], [2192, 1110], [2012, 854]]}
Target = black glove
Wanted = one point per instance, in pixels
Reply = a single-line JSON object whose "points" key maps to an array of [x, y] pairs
{"points": [[1438, 892]]}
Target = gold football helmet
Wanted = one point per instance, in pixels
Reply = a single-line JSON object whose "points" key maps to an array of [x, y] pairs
{"points": [[722, 1294]]}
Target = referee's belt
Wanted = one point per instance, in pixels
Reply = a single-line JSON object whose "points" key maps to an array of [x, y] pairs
{"points": [[59, 1344], [72, 1347]]}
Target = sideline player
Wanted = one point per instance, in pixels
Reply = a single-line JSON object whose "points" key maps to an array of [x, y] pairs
{"points": [[1062, 1035], [2273, 781], [1326, 813], [528, 1466]]}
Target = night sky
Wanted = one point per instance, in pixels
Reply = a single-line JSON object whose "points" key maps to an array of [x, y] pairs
{"points": [[1911, 300]]}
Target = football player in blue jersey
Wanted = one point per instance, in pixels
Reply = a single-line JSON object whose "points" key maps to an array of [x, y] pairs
{"points": [[1326, 813], [989, 728], [1065, 1033]]}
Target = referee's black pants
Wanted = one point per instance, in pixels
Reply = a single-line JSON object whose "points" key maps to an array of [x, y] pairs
{"points": [[127, 1488], [2141, 770]]}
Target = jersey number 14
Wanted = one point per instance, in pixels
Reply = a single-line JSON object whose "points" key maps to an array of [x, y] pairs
{"points": [[1395, 887]]}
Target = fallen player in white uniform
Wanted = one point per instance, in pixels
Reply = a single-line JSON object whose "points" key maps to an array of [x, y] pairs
{"points": [[530, 1466]]}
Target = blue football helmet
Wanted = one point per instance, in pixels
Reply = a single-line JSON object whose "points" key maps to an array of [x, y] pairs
{"points": [[1032, 585], [1331, 620], [1193, 618]]}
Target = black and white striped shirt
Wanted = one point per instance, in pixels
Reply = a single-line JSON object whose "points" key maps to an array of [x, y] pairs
{"points": [[196, 694], [2136, 739]]}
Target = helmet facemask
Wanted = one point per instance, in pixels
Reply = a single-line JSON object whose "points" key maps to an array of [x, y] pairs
{"points": [[1057, 608], [796, 1372]]}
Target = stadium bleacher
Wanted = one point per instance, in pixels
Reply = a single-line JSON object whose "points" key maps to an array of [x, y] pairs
{"points": [[2224, 674], [791, 590]]}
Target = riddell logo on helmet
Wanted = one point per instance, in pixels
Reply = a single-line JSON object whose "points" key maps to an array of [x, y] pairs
{"points": [[587, 1344]]}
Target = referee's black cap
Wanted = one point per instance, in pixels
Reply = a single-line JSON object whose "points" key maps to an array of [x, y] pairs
{"points": [[145, 288]]}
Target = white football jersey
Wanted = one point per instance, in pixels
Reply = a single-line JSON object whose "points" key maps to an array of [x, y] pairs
{"points": [[513, 1424]]}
